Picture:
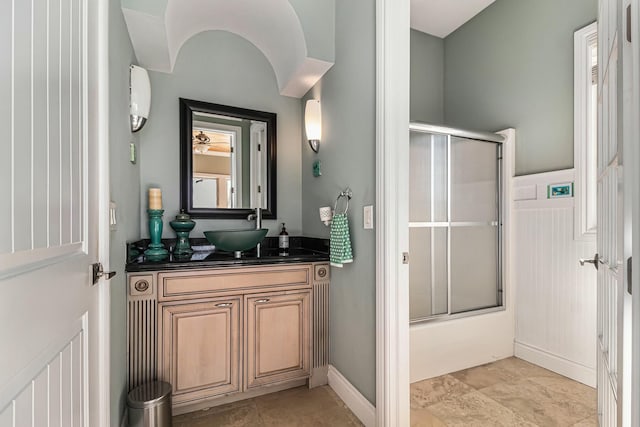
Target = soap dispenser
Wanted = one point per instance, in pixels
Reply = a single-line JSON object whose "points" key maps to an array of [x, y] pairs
{"points": [[283, 241]]}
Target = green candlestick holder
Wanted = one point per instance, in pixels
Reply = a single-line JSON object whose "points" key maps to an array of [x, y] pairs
{"points": [[182, 225], [156, 250]]}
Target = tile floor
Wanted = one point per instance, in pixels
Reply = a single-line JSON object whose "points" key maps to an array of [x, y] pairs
{"points": [[510, 392], [295, 407]]}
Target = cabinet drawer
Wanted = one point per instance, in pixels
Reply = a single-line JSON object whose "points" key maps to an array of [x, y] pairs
{"points": [[211, 283], [277, 338]]}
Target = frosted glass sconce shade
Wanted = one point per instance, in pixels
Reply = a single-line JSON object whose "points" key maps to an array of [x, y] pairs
{"points": [[140, 93], [313, 123]]}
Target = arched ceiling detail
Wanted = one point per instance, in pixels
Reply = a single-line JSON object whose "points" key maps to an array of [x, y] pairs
{"points": [[159, 28]]}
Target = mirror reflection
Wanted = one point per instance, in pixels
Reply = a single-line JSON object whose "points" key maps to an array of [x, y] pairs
{"points": [[228, 159], [228, 165]]}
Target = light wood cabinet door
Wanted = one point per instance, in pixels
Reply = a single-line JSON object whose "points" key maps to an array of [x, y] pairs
{"points": [[277, 338], [200, 348]]}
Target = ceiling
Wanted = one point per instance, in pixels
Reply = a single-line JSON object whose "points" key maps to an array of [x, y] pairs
{"points": [[299, 54], [442, 17]]}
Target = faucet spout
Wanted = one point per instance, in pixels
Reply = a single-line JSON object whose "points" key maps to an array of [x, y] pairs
{"points": [[257, 216]]}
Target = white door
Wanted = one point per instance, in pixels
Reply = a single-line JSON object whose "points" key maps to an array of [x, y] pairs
{"points": [[632, 124], [614, 245], [52, 125]]}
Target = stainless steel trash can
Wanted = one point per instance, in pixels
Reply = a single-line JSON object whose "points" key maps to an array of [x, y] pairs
{"points": [[150, 405]]}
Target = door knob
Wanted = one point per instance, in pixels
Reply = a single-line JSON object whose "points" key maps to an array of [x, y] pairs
{"points": [[594, 261]]}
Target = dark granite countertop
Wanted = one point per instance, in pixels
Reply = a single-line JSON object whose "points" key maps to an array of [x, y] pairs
{"points": [[302, 249]]}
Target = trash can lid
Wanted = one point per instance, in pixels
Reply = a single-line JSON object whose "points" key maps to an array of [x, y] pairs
{"points": [[148, 394]]}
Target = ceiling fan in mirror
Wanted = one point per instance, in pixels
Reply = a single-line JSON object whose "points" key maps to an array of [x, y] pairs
{"points": [[201, 143], [212, 142]]}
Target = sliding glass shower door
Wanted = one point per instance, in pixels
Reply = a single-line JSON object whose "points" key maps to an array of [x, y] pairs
{"points": [[454, 220]]}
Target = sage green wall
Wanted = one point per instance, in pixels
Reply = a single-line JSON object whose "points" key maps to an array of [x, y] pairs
{"points": [[512, 66], [223, 68], [347, 153], [427, 78], [125, 191]]}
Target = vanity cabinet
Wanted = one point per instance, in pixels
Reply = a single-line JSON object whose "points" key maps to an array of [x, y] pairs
{"points": [[225, 334]]}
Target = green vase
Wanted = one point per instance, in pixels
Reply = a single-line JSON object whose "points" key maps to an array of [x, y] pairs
{"points": [[182, 225]]}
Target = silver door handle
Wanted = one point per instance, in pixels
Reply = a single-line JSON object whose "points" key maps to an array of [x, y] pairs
{"points": [[98, 272], [259, 301], [224, 304], [595, 261]]}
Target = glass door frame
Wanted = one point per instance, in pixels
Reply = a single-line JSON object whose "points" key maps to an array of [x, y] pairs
{"points": [[482, 137]]}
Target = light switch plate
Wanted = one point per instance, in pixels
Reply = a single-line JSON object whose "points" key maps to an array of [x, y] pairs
{"points": [[113, 223], [132, 153], [368, 217]]}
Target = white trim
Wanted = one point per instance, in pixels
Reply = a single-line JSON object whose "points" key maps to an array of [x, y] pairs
{"points": [[583, 39], [634, 161], [103, 386], [392, 218], [359, 405], [627, 92], [555, 363]]}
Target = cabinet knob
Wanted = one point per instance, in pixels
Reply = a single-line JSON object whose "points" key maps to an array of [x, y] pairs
{"points": [[224, 304], [258, 301]]}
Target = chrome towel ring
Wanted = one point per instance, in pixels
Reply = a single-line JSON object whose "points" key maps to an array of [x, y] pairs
{"points": [[346, 195]]}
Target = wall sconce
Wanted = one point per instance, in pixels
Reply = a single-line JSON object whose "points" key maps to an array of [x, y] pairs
{"points": [[313, 123], [140, 97]]}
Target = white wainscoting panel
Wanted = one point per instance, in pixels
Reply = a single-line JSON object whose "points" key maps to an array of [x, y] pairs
{"points": [[556, 298]]}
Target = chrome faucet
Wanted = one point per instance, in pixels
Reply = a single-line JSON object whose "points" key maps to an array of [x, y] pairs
{"points": [[258, 217]]}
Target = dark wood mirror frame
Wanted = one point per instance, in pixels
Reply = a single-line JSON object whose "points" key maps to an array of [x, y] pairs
{"points": [[187, 108]]}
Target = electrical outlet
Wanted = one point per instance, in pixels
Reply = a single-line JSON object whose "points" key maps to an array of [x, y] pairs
{"points": [[368, 217]]}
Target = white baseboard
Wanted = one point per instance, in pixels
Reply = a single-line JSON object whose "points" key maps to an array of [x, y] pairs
{"points": [[557, 364], [359, 405]]}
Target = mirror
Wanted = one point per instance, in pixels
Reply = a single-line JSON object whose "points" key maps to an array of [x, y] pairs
{"points": [[227, 160]]}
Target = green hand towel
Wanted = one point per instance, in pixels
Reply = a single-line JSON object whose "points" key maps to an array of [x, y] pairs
{"points": [[340, 241]]}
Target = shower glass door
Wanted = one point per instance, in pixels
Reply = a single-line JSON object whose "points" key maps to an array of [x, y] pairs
{"points": [[454, 220]]}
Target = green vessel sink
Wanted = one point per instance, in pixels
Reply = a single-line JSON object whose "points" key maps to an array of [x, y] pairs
{"points": [[236, 240]]}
